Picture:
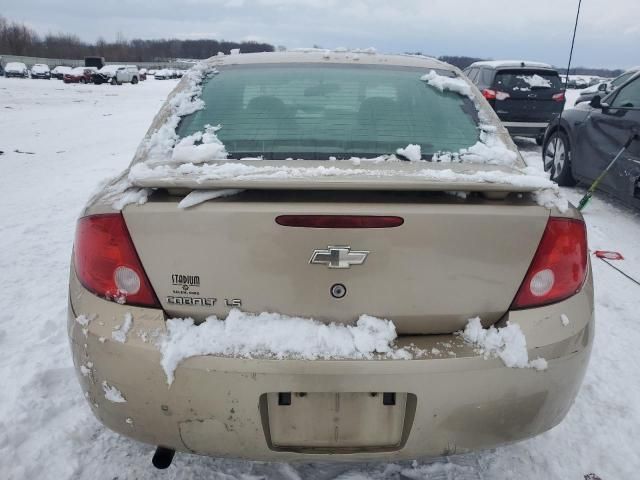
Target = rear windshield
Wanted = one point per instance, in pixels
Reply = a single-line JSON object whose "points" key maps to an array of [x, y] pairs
{"points": [[320, 111], [526, 80]]}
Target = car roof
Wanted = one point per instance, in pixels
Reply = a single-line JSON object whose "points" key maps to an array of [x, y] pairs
{"points": [[510, 64], [362, 57]]}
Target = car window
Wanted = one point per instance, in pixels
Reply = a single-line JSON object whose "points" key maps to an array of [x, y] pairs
{"points": [[525, 80], [319, 111], [473, 74], [616, 82], [487, 76], [628, 96]]}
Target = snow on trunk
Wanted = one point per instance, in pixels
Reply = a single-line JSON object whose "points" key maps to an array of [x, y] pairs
{"points": [[199, 196], [278, 336]]}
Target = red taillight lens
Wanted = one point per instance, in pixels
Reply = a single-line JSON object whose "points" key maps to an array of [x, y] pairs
{"points": [[339, 221], [558, 97], [559, 267], [107, 264], [489, 94]]}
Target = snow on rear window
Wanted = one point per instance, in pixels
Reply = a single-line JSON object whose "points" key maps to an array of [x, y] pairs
{"points": [[489, 148], [190, 140], [324, 112], [446, 83], [536, 81], [513, 81], [318, 111]]}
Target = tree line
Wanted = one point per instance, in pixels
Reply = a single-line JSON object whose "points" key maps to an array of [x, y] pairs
{"points": [[19, 39]]}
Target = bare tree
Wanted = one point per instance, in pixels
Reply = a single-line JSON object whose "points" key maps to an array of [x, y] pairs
{"points": [[18, 39]]}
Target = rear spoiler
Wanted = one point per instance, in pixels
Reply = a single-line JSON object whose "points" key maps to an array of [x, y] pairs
{"points": [[338, 175]]}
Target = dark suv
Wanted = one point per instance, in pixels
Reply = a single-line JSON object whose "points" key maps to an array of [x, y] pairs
{"points": [[525, 95]]}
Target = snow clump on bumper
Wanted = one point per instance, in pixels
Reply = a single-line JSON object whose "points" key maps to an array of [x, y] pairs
{"points": [[277, 336]]}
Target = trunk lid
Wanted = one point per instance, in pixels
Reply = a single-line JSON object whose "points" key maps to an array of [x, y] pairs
{"points": [[450, 260]]}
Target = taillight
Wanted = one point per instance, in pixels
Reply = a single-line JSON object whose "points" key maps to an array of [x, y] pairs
{"points": [[558, 97], [339, 221], [107, 264], [559, 267], [490, 94]]}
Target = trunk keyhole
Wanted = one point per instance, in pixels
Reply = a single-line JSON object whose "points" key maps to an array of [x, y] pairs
{"points": [[338, 290]]}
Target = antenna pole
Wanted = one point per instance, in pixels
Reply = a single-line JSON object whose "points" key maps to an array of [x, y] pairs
{"points": [[566, 82]]}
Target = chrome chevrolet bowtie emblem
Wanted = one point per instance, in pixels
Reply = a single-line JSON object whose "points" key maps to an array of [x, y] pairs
{"points": [[338, 257]]}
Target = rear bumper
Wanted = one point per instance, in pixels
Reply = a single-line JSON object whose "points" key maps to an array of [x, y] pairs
{"points": [[526, 129], [458, 401]]}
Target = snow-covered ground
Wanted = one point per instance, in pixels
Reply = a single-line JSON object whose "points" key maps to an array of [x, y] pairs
{"points": [[72, 137], [571, 95]]}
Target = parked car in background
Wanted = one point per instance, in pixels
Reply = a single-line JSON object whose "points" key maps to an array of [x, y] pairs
{"points": [[152, 72], [606, 87], [580, 146], [40, 70], [580, 83], [105, 74], [340, 242], [16, 69], [80, 75], [524, 94], [163, 74], [126, 74], [59, 71], [167, 73]]}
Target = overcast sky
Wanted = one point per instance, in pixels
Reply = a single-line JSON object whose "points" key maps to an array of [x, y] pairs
{"points": [[608, 35]]}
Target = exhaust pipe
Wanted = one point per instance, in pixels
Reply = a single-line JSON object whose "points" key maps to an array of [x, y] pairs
{"points": [[163, 458]]}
